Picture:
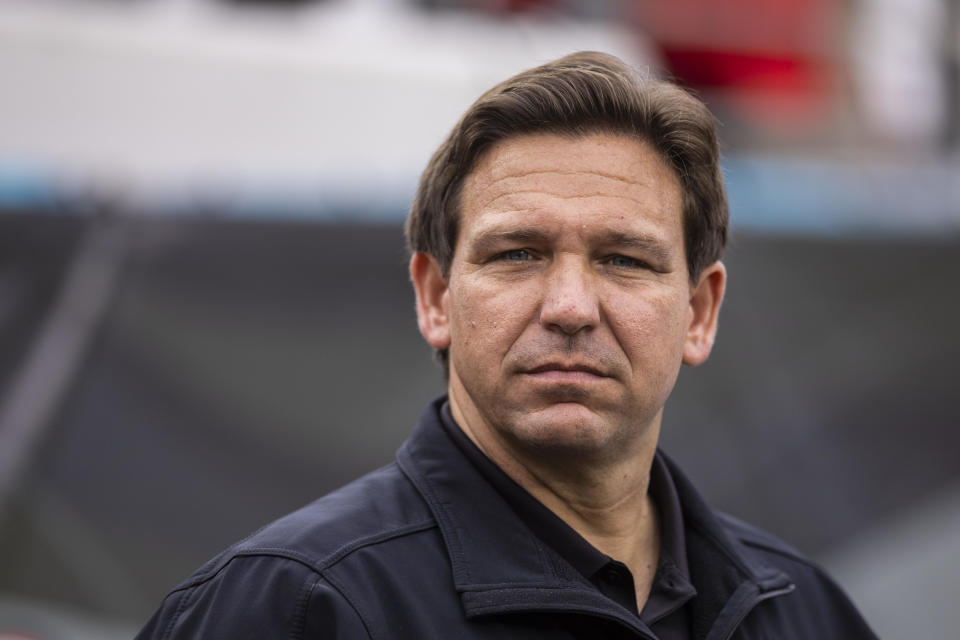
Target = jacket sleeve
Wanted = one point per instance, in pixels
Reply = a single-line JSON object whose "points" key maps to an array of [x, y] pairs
{"points": [[257, 597]]}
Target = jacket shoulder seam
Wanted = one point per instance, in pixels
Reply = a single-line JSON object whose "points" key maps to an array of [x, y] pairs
{"points": [[182, 600], [350, 601], [317, 565], [376, 538], [299, 617]]}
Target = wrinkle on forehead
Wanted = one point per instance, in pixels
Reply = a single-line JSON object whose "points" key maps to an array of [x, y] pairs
{"points": [[503, 194], [482, 181], [489, 204], [512, 169], [572, 172]]}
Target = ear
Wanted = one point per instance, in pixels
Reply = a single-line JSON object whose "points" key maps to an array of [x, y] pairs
{"points": [[432, 300], [705, 300]]}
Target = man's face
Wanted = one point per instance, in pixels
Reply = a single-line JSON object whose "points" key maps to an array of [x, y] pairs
{"points": [[568, 308]]}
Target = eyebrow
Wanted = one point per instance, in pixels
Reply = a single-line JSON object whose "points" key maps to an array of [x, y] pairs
{"points": [[647, 243], [491, 240]]}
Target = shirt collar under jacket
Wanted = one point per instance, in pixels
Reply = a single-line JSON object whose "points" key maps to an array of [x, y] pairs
{"points": [[499, 566], [671, 587]]}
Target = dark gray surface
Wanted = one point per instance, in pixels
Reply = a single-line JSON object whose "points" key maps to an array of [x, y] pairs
{"points": [[245, 368]]}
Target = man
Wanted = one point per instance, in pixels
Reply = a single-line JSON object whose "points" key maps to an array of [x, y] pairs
{"points": [[566, 245]]}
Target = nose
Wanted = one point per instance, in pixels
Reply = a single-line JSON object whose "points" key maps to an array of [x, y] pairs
{"points": [[570, 303]]}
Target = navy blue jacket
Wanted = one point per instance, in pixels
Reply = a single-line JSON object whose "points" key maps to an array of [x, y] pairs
{"points": [[425, 549]]}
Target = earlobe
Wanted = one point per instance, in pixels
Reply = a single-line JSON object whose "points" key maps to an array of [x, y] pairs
{"points": [[432, 300], [705, 301]]}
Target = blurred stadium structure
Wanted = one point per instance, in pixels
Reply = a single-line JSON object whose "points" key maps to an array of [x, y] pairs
{"points": [[204, 314]]}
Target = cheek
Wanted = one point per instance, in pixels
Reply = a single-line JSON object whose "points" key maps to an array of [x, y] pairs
{"points": [[483, 316], [652, 328]]}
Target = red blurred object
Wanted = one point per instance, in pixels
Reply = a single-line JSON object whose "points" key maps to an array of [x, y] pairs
{"points": [[710, 68], [773, 59], [514, 6], [525, 5]]}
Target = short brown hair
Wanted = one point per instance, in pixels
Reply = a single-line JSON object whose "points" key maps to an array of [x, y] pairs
{"points": [[580, 94]]}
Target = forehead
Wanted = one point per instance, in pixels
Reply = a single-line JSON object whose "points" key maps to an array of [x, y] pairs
{"points": [[599, 176]]}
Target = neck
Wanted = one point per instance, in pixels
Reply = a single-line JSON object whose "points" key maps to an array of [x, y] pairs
{"points": [[603, 498]]}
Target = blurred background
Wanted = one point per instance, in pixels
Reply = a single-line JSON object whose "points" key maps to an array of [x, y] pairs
{"points": [[205, 319]]}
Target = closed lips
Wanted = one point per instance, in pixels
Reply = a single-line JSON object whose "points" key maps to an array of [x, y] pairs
{"points": [[567, 368]]}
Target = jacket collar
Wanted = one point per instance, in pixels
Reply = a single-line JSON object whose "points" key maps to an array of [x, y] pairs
{"points": [[499, 566]]}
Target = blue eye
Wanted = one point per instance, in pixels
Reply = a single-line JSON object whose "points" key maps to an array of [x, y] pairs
{"points": [[516, 255], [625, 262]]}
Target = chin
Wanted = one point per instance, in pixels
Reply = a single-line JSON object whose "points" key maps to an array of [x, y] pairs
{"points": [[564, 427]]}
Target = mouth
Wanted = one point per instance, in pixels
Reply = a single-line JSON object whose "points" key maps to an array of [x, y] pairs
{"points": [[566, 372]]}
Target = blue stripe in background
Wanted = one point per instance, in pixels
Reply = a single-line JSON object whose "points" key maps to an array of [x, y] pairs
{"points": [[766, 193]]}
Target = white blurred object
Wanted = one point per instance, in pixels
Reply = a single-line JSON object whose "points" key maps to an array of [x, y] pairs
{"points": [[897, 52], [172, 99]]}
